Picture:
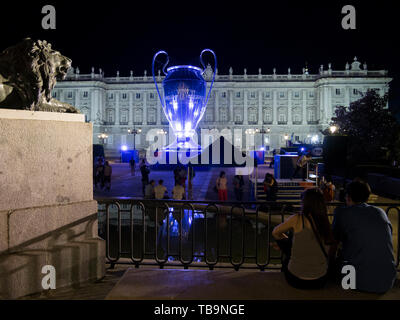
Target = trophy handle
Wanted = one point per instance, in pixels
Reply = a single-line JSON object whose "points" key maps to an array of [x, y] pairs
{"points": [[204, 68], [163, 69]]}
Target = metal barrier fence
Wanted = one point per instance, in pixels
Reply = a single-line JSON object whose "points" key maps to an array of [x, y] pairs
{"points": [[201, 233]]}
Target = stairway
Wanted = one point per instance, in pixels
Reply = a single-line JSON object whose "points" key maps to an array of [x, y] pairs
{"points": [[288, 190]]}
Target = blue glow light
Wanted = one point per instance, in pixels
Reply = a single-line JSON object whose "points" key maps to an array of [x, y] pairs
{"points": [[124, 148], [184, 66], [302, 149]]}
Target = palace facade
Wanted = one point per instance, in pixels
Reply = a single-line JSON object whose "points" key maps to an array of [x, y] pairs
{"points": [[286, 106]]}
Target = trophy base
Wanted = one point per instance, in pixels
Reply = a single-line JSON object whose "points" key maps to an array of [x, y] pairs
{"points": [[186, 146]]}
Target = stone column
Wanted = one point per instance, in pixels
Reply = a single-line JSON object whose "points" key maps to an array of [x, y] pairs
{"points": [[347, 96], [47, 215], [326, 103], [274, 107], [260, 113], [144, 108], [231, 115], [290, 107], [131, 109], [117, 120], [216, 107], [329, 106], [94, 103], [159, 111], [77, 99], [245, 108], [304, 109]]}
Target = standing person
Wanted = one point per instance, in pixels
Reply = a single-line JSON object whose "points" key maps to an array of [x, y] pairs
{"points": [[238, 184], [328, 188], [270, 187], [176, 174], [144, 170], [178, 192], [160, 191], [191, 175], [149, 190], [222, 186], [365, 233], [107, 175], [272, 163], [302, 165], [99, 175], [305, 262], [132, 164]]}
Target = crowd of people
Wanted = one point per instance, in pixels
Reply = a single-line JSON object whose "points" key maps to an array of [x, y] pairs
{"points": [[221, 186], [102, 173], [314, 250], [159, 191]]}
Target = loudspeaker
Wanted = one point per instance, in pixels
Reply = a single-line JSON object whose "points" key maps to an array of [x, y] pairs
{"points": [[335, 152]]}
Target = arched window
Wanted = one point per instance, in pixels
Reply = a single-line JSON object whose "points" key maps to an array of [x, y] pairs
{"points": [[138, 116], [110, 115]]}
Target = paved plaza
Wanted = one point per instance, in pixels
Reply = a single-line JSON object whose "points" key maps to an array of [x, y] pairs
{"points": [[125, 185]]}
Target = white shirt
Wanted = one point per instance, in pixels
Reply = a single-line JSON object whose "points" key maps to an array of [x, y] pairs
{"points": [[177, 192], [159, 191]]}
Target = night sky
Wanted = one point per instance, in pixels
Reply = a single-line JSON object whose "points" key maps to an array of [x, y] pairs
{"points": [[124, 35]]}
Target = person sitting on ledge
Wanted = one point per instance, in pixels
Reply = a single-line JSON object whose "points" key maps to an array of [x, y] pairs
{"points": [[366, 236], [160, 191], [305, 250], [149, 190]]}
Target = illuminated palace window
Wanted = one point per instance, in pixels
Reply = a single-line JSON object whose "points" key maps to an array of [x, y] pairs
{"points": [[223, 115], [124, 115], [311, 115], [110, 115]]}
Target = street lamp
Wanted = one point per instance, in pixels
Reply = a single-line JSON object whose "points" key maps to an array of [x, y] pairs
{"points": [[263, 131], [332, 129], [134, 131], [102, 137], [286, 137], [162, 132]]}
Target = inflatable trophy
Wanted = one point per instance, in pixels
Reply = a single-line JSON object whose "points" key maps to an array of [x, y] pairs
{"points": [[185, 100]]}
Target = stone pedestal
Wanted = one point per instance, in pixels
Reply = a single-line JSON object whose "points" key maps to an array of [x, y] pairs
{"points": [[47, 212]]}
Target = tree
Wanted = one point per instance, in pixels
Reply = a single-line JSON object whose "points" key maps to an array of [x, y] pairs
{"points": [[373, 131]]}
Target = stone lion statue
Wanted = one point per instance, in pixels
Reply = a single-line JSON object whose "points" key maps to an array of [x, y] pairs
{"points": [[28, 73]]}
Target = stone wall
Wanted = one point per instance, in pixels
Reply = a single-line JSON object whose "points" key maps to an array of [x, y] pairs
{"points": [[47, 212]]}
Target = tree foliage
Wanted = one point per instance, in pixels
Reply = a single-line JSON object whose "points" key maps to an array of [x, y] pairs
{"points": [[374, 132]]}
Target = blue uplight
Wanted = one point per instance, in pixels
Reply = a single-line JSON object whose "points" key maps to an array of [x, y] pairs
{"points": [[124, 148]]}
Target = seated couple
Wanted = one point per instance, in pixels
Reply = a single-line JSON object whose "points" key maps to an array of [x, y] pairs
{"points": [[309, 243]]}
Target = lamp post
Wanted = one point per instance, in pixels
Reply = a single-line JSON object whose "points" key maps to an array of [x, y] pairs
{"points": [[263, 131], [251, 132], [162, 132], [134, 131], [286, 137], [102, 137]]}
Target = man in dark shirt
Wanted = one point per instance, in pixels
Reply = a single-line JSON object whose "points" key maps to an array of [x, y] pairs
{"points": [[366, 236], [144, 170]]}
